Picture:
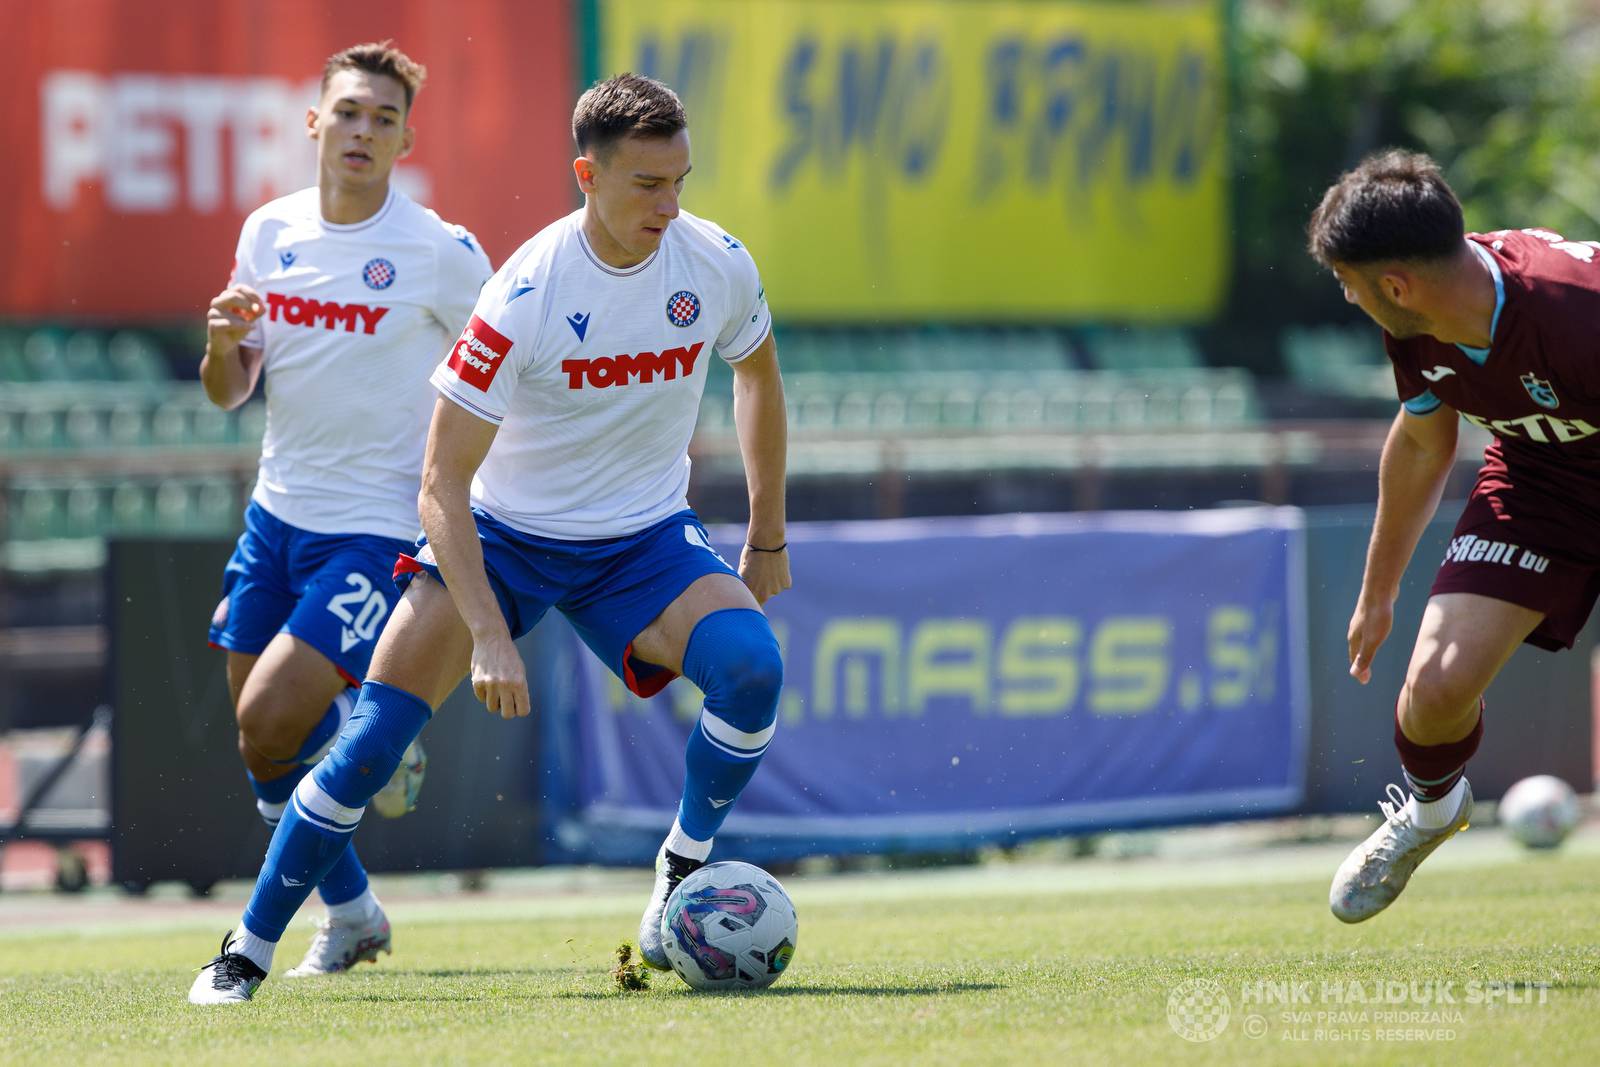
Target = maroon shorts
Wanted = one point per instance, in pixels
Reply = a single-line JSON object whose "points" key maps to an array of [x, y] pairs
{"points": [[1525, 550]]}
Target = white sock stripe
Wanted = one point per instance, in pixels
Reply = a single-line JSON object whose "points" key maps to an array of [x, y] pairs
{"points": [[313, 803], [736, 753], [317, 820], [271, 812], [730, 736]]}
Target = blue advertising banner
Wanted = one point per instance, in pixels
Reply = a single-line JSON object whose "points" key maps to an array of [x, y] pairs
{"points": [[955, 682]]}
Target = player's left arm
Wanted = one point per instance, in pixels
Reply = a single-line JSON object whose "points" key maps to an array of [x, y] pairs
{"points": [[763, 428]]}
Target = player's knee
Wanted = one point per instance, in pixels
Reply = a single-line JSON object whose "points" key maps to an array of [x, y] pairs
{"points": [[734, 657], [260, 767], [269, 728], [1436, 708], [758, 676]]}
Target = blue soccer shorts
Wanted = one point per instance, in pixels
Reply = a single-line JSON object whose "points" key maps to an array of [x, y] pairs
{"points": [[609, 589], [332, 591]]}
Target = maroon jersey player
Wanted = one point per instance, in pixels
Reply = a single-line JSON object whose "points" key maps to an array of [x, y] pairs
{"points": [[1498, 328]]}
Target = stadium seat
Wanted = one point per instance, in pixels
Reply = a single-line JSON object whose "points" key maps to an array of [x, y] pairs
{"points": [[134, 357], [172, 423], [1141, 349], [209, 424], [13, 367], [853, 412], [1234, 403], [34, 513], [174, 506], [812, 411], [216, 504], [84, 353], [41, 428], [44, 353], [127, 423], [252, 423], [86, 425], [1028, 350], [1347, 361], [795, 352], [945, 351], [85, 510], [131, 508]]}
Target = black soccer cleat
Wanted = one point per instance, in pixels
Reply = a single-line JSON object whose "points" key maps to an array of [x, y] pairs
{"points": [[228, 979]]}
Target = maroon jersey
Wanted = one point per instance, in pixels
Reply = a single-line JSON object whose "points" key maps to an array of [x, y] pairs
{"points": [[1537, 387]]}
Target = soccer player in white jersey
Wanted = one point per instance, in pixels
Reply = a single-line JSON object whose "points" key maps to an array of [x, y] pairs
{"points": [[555, 477], [343, 296]]}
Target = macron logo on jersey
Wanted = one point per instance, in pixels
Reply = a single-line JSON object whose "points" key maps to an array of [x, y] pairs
{"points": [[606, 371], [303, 311], [478, 355]]}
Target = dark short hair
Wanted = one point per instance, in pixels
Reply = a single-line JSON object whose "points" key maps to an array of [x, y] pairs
{"points": [[378, 57], [626, 105], [1395, 205]]}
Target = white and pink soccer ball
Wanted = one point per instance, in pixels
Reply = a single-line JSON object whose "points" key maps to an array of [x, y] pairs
{"points": [[729, 926], [1540, 811]]}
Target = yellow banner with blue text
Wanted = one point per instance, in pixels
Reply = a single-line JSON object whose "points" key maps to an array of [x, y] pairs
{"points": [[911, 159]]}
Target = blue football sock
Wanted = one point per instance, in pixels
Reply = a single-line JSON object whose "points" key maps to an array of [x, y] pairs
{"points": [[327, 728], [733, 657], [347, 879], [327, 805], [276, 792]]}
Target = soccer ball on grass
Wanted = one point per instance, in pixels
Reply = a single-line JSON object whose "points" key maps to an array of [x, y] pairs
{"points": [[1540, 811], [729, 926]]}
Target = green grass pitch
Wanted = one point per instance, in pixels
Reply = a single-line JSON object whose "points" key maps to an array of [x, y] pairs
{"points": [[1002, 964]]}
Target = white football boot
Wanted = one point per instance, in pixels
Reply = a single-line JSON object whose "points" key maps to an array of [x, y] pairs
{"points": [[339, 946], [228, 979], [671, 869], [1373, 875]]}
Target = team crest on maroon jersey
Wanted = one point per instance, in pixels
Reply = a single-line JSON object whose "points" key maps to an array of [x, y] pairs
{"points": [[1541, 391], [378, 273], [683, 308]]}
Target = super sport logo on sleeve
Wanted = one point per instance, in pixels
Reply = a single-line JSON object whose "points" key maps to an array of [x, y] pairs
{"points": [[477, 356]]}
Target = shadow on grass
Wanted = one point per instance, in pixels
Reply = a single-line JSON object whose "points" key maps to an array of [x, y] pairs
{"points": [[345, 991], [520, 972], [806, 991], [498, 996]]}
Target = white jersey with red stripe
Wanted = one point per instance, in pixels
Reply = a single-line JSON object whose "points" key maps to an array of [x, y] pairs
{"points": [[594, 374], [356, 317]]}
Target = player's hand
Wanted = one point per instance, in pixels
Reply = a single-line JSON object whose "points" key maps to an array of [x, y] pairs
{"points": [[766, 573], [499, 678], [231, 314], [1369, 628]]}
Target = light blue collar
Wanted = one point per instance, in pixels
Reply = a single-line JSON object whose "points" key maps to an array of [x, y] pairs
{"points": [[1480, 356]]}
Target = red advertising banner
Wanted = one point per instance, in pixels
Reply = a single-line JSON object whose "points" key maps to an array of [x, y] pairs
{"points": [[138, 135]]}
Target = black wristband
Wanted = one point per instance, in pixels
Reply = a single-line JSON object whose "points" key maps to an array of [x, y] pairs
{"points": [[753, 548]]}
